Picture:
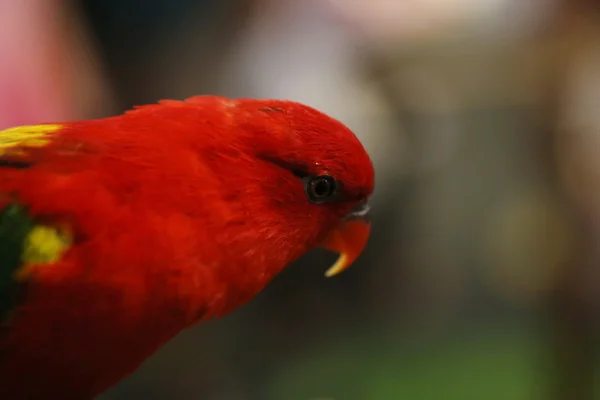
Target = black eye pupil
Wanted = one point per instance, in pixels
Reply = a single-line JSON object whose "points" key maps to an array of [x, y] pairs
{"points": [[320, 188]]}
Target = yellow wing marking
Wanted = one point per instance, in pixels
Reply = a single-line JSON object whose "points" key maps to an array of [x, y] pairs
{"points": [[29, 136], [43, 245]]}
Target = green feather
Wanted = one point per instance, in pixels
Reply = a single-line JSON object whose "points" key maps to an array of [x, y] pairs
{"points": [[15, 225]]}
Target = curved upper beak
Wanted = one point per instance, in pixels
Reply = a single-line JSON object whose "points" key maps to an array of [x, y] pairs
{"points": [[348, 239]]}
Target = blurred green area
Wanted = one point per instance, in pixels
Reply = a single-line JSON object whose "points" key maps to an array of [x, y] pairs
{"points": [[493, 363]]}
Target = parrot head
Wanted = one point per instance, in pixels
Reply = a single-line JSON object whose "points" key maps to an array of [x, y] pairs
{"points": [[316, 177]]}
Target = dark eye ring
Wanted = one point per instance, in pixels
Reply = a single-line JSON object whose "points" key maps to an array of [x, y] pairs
{"points": [[320, 189]]}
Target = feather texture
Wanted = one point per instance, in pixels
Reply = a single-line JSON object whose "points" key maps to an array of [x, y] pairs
{"points": [[164, 216]]}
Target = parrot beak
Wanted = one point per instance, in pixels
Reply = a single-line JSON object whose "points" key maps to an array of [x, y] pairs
{"points": [[348, 239]]}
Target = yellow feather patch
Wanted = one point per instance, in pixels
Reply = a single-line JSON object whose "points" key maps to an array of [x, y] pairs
{"points": [[29, 136], [43, 245]]}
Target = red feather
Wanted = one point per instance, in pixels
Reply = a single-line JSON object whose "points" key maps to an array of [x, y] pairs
{"points": [[180, 211]]}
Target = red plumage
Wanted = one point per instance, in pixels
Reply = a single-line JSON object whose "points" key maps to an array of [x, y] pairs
{"points": [[179, 211]]}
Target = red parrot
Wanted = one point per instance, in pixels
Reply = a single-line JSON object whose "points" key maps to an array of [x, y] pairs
{"points": [[118, 233]]}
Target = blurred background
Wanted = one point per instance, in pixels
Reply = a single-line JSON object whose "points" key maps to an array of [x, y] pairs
{"points": [[482, 117]]}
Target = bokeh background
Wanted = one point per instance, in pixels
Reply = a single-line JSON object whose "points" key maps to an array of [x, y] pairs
{"points": [[482, 117]]}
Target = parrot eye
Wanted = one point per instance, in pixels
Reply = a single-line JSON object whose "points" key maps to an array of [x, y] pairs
{"points": [[320, 189]]}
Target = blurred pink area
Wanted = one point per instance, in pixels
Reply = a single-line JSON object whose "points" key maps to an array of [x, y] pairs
{"points": [[39, 68]]}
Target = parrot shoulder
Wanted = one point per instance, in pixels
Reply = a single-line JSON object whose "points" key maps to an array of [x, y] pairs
{"points": [[23, 241]]}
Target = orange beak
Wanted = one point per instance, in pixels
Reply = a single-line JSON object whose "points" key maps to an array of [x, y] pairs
{"points": [[348, 240]]}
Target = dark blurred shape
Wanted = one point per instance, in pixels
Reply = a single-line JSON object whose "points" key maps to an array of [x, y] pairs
{"points": [[147, 45]]}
